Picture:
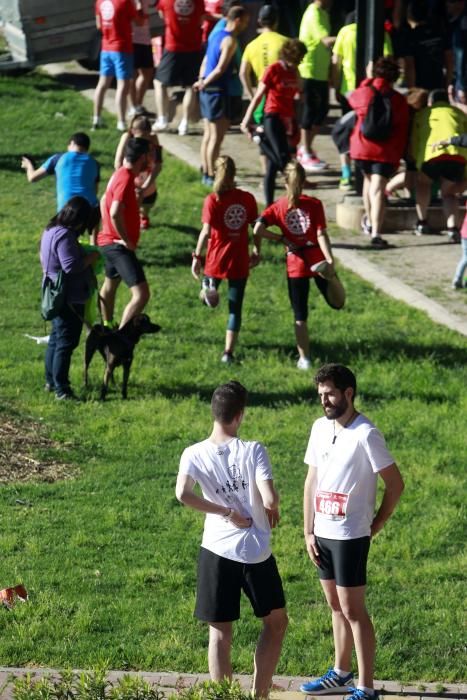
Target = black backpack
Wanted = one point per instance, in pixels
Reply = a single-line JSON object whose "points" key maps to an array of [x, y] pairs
{"points": [[377, 124]]}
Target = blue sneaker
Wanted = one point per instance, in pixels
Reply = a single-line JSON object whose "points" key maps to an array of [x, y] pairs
{"points": [[330, 684], [359, 694]]}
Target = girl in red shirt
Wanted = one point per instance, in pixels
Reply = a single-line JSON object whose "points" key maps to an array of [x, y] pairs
{"points": [[308, 252], [227, 213], [280, 85]]}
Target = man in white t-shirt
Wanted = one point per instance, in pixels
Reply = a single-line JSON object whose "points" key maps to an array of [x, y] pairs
{"points": [[241, 506], [345, 454]]}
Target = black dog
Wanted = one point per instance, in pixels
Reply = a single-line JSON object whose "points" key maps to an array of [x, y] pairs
{"points": [[116, 347]]}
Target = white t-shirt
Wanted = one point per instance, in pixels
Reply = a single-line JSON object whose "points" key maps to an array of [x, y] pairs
{"points": [[227, 475], [345, 494]]}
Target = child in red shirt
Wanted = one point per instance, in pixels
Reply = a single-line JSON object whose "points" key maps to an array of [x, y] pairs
{"points": [[308, 252], [227, 213]]}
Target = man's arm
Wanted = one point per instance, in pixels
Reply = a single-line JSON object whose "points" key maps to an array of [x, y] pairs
{"points": [[184, 491], [118, 222], [309, 514], [270, 499], [228, 48], [33, 174], [393, 487], [245, 76]]}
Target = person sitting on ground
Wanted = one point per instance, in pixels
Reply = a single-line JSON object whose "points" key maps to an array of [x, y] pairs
{"points": [[309, 255], [60, 251], [218, 106], [76, 172], [227, 214], [378, 159], [114, 19], [280, 84], [433, 124], [459, 281], [120, 233], [145, 181]]}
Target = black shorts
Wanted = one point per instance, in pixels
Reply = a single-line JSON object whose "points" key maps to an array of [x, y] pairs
{"points": [[178, 68], [375, 167], [218, 105], [299, 289], [94, 219], [150, 199], [142, 56], [121, 262], [343, 561], [452, 170], [220, 583], [315, 102]]}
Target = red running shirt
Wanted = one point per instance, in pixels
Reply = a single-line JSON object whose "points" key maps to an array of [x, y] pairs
{"points": [[121, 188], [182, 24], [214, 6], [300, 226], [282, 85], [229, 216], [115, 18]]}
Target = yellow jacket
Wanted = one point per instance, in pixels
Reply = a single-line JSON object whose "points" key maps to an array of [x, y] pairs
{"points": [[431, 124]]}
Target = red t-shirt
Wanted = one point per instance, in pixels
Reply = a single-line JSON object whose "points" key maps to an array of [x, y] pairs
{"points": [[282, 85], [121, 188], [214, 7], [182, 24], [227, 255], [115, 21], [300, 226]]}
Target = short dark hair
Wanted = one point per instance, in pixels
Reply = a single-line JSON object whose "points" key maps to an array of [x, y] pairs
{"points": [[228, 400], [75, 215], [386, 68], [342, 377], [417, 11], [236, 11], [438, 95], [81, 139], [135, 148], [267, 16]]}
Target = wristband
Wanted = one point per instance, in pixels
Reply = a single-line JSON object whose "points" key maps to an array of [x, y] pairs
{"points": [[196, 257]]}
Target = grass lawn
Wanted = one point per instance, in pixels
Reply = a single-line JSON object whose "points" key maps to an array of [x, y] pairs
{"points": [[108, 554]]}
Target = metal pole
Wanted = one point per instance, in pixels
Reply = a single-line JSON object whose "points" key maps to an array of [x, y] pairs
{"points": [[361, 9], [375, 30]]}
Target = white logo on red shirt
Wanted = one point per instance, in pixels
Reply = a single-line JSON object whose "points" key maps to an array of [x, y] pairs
{"points": [[235, 216], [107, 10], [297, 221], [184, 7]]}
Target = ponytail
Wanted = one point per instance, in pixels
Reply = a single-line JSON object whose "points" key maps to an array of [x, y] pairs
{"points": [[294, 180], [224, 170]]}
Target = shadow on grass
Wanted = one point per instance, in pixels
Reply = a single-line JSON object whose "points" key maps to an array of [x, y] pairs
{"points": [[181, 228], [12, 161]]}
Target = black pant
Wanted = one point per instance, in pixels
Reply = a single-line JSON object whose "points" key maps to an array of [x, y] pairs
{"points": [[275, 147]]}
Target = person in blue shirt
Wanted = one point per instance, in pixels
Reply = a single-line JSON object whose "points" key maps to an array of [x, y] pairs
{"points": [[76, 174]]}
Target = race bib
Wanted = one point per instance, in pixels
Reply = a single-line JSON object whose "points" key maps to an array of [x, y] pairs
{"points": [[331, 505]]}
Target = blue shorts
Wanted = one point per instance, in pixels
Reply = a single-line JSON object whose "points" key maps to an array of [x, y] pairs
{"points": [[116, 64]]}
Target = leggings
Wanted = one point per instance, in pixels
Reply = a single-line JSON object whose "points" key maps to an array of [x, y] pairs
{"points": [[275, 147], [235, 296]]}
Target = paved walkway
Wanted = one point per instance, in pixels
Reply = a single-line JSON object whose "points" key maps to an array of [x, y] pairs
{"points": [[415, 270], [284, 687]]}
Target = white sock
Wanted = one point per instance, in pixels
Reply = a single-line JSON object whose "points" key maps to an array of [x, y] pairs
{"points": [[340, 672]]}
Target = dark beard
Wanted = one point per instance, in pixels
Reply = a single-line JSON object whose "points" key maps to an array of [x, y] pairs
{"points": [[335, 412]]}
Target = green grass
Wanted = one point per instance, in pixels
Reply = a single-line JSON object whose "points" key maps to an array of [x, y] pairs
{"points": [[109, 556]]}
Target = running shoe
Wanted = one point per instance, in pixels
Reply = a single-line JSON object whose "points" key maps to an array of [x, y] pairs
{"points": [[378, 242], [311, 164], [454, 235], [183, 127], [121, 126], [359, 694], [329, 684], [161, 124], [96, 123], [456, 284], [346, 184], [365, 225], [303, 363], [227, 358], [421, 228]]}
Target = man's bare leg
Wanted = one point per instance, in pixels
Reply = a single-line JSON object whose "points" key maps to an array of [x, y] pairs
{"points": [[220, 643], [140, 295], [268, 651], [352, 602], [107, 294], [342, 632]]}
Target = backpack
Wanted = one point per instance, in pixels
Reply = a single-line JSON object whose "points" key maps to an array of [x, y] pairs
{"points": [[377, 124]]}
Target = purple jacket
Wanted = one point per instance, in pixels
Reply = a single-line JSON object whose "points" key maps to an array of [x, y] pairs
{"points": [[60, 250]]}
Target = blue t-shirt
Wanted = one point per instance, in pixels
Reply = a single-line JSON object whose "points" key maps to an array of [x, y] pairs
{"points": [[76, 174]]}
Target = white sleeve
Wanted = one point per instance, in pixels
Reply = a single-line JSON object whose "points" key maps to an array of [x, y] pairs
{"points": [[378, 454], [188, 465], [310, 454], [263, 469]]}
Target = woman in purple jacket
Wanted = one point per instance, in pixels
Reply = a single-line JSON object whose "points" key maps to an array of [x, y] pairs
{"points": [[60, 250]]}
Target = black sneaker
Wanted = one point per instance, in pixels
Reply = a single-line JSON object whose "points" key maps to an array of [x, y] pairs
{"points": [[227, 358], [66, 396], [454, 235], [421, 228]]}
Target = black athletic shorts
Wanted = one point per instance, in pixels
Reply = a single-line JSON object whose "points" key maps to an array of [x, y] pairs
{"points": [[452, 170], [220, 583], [343, 561], [315, 102], [178, 68], [299, 289], [142, 56], [150, 199], [121, 262], [375, 167]]}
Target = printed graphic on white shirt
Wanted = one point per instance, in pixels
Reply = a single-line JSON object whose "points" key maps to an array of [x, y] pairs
{"points": [[297, 221]]}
